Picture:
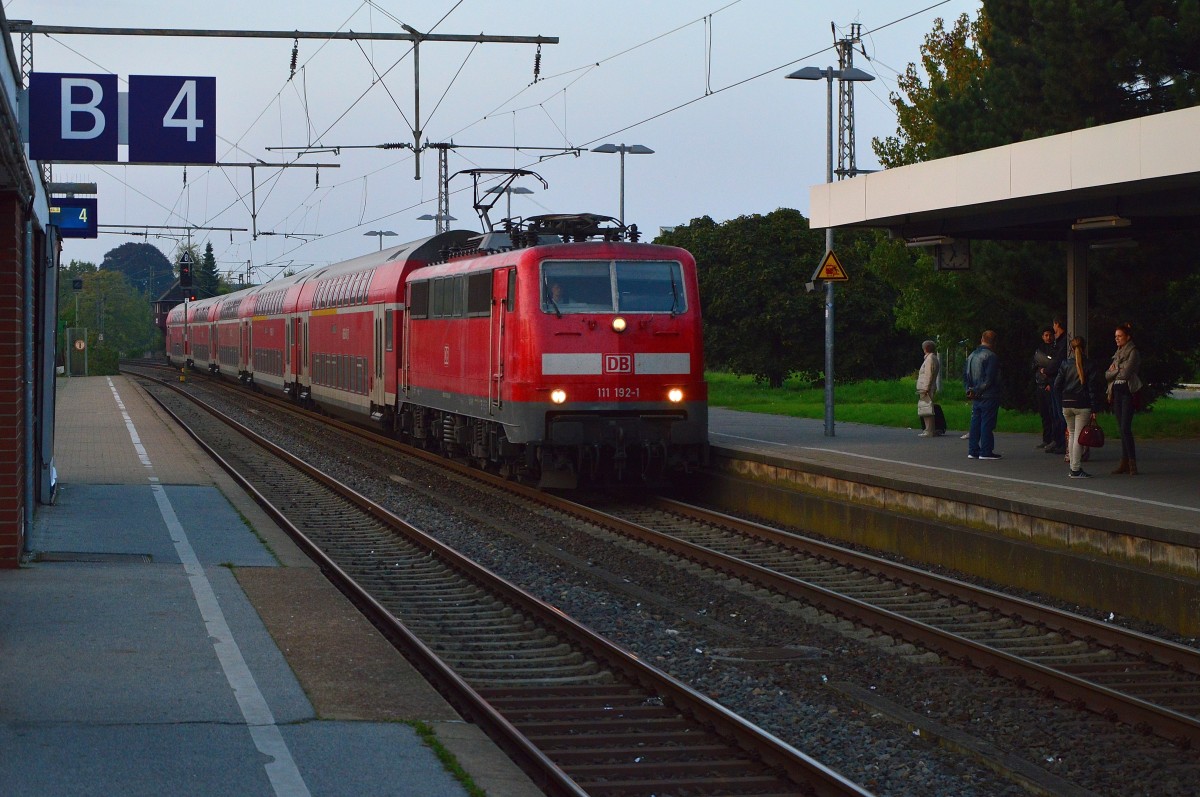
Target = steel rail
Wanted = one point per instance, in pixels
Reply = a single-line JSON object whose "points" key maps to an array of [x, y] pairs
{"points": [[801, 768]]}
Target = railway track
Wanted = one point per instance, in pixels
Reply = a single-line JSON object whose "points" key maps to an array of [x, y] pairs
{"points": [[1144, 681], [581, 714]]}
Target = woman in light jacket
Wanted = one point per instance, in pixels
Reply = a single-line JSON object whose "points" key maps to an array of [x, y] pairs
{"points": [[927, 388], [1123, 383]]}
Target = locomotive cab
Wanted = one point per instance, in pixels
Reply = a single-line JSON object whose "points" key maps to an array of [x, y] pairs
{"points": [[620, 364]]}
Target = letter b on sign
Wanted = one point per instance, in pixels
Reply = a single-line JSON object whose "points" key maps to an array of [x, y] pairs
{"points": [[72, 117]]}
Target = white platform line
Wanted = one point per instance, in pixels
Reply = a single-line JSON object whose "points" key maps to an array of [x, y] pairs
{"points": [[282, 770]]}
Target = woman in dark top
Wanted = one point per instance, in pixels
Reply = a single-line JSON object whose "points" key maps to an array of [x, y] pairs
{"points": [[1123, 383], [1080, 384]]}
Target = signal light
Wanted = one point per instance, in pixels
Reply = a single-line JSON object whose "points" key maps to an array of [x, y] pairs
{"points": [[185, 270]]}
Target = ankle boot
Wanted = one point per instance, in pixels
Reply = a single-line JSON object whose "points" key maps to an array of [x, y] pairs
{"points": [[1132, 468], [1124, 466]]}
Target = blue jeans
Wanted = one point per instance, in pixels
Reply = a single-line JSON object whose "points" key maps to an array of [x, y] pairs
{"points": [[982, 438], [1059, 433]]}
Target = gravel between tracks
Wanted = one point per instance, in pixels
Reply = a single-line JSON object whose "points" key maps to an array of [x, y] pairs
{"points": [[829, 695]]}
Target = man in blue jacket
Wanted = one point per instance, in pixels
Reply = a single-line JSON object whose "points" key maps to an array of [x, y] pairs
{"points": [[981, 378]]}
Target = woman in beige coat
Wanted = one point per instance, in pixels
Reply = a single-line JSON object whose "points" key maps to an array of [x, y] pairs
{"points": [[927, 388]]}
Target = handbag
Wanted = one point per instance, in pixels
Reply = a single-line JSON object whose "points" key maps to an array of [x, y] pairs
{"points": [[924, 408], [1092, 436]]}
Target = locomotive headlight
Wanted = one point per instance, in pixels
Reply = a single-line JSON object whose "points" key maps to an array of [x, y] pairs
{"points": [[675, 395], [618, 324], [558, 395]]}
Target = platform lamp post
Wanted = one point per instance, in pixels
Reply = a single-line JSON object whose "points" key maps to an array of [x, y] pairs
{"points": [[438, 220], [829, 74], [508, 192], [632, 149], [380, 234]]}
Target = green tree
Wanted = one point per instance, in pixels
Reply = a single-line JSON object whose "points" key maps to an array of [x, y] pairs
{"points": [[146, 268], [1061, 65], [760, 320], [207, 281], [1029, 68], [930, 110], [117, 317]]}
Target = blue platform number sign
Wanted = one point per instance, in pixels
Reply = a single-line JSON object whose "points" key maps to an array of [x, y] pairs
{"points": [[72, 117], [172, 119], [75, 216]]}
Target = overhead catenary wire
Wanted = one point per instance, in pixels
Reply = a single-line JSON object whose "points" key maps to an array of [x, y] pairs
{"points": [[709, 92], [309, 205]]}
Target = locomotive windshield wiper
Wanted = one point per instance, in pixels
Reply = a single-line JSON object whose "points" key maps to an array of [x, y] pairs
{"points": [[549, 292], [674, 296]]}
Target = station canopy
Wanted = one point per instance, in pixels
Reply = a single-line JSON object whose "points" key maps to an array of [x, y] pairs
{"points": [[1116, 182]]}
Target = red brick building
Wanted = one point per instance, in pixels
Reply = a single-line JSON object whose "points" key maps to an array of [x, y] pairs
{"points": [[28, 285]]}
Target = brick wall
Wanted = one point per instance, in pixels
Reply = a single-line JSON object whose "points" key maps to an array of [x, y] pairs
{"points": [[12, 354]]}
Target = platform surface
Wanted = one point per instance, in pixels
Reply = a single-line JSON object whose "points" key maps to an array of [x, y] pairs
{"points": [[165, 637]]}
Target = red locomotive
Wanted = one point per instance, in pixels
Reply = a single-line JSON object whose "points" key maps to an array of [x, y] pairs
{"points": [[560, 348]]}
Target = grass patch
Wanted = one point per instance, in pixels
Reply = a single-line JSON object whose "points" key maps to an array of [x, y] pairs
{"points": [[429, 737], [894, 403]]}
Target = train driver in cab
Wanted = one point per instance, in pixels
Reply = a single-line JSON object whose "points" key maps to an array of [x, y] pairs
{"points": [[556, 297]]}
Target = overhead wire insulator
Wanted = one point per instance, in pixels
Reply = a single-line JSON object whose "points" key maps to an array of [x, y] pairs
{"points": [[537, 64], [295, 54]]}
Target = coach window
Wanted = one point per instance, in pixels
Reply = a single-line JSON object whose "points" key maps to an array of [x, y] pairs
{"points": [[439, 303], [388, 329], [418, 300], [479, 294]]}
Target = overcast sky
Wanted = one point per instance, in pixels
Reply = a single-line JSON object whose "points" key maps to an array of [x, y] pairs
{"points": [[701, 83]]}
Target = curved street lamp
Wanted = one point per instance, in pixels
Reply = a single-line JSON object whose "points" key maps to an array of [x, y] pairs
{"points": [[438, 220], [829, 74], [380, 234], [632, 149], [509, 191]]}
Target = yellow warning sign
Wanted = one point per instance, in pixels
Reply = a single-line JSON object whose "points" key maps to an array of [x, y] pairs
{"points": [[831, 269]]}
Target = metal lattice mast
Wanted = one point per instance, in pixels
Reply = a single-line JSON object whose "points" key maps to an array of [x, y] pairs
{"points": [[26, 69], [443, 208], [846, 162]]}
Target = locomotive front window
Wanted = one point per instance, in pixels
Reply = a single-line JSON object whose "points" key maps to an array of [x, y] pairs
{"points": [[625, 286], [650, 286], [577, 287]]}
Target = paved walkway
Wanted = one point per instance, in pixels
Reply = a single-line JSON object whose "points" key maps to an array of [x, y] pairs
{"points": [[169, 639]]}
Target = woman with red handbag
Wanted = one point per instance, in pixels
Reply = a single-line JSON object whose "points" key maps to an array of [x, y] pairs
{"points": [[1081, 384]]}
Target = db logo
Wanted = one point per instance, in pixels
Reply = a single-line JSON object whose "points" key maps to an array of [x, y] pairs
{"points": [[618, 363]]}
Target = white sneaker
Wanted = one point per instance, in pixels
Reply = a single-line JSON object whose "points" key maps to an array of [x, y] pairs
{"points": [[925, 434], [966, 436]]}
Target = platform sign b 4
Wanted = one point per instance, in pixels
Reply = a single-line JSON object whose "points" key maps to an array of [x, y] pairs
{"points": [[83, 118], [172, 119], [72, 117]]}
